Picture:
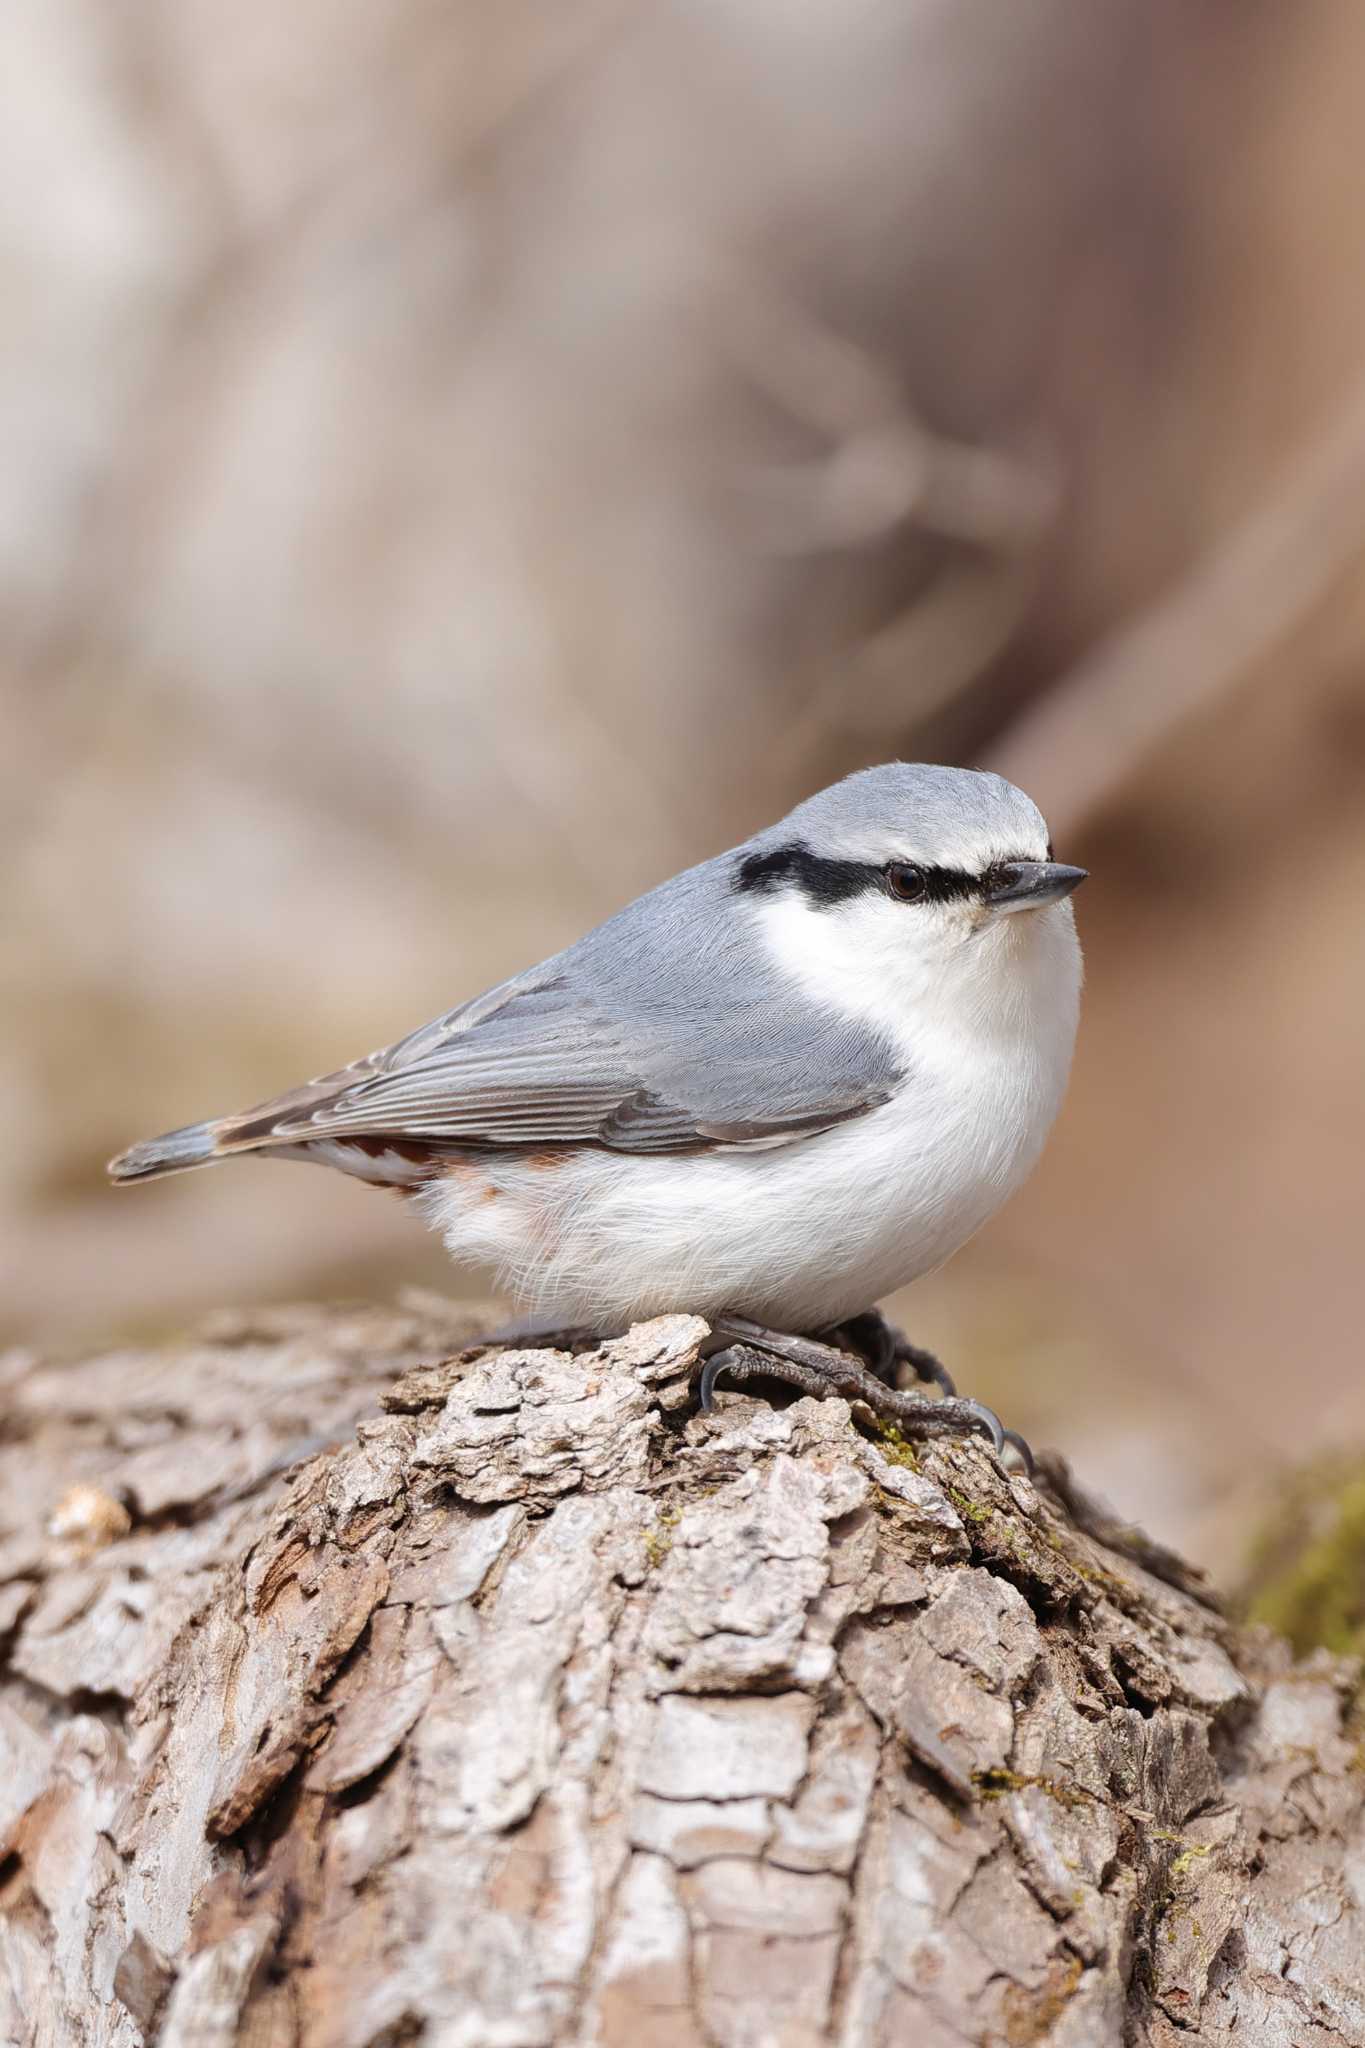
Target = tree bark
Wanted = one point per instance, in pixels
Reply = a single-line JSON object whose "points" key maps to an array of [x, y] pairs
{"points": [[358, 1693]]}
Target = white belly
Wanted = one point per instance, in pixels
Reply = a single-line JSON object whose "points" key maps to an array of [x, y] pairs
{"points": [[796, 1237]]}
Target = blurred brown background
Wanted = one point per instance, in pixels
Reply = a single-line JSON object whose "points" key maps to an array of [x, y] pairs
{"points": [[460, 464]]}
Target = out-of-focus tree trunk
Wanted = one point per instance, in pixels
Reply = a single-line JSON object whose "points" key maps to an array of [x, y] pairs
{"points": [[356, 1693]]}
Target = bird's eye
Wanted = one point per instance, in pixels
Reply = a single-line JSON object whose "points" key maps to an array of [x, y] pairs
{"points": [[905, 881]]}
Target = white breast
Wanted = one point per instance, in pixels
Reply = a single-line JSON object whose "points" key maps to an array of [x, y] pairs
{"points": [[803, 1235]]}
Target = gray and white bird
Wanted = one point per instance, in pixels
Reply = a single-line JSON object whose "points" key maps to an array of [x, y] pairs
{"points": [[770, 1091]]}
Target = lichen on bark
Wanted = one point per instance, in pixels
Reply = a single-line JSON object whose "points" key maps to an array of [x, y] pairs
{"points": [[406, 1689], [1306, 1577]]}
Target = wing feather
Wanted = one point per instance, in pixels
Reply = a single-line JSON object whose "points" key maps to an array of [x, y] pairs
{"points": [[527, 1064]]}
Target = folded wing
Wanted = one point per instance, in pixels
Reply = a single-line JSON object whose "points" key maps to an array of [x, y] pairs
{"points": [[531, 1064]]}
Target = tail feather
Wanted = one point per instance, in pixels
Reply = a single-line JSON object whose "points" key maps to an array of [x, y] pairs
{"points": [[388, 1162], [174, 1152]]}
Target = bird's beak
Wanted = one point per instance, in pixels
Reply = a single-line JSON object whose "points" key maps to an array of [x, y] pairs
{"points": [[1029, 884]]}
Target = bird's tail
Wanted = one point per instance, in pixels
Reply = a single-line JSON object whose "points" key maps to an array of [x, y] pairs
{"points": [[287, 1127], [192, 1145]]}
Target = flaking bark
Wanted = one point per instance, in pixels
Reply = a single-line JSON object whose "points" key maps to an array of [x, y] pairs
{"points": [[356, 1693]]}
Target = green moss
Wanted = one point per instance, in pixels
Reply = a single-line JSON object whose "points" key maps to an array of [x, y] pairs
{"points": [[658, 1542], [897, 1448], [1031, 2015], [998, 1783], [1307, 1576], [972, 1509]]}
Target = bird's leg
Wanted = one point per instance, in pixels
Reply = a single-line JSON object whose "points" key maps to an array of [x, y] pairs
{"points": [[886, 1349], [747, 1351]]}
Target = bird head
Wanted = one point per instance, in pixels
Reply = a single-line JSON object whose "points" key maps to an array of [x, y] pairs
{"points": [[907, 883]]}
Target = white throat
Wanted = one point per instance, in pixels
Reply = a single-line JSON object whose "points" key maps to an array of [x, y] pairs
{"points": [[935, 985]]}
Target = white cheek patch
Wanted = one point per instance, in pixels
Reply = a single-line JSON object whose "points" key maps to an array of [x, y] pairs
{"points": [[870, 958]]}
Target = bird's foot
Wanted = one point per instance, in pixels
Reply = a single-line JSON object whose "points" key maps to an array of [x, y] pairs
{"points": [[748, 1351], [885, 1349]]}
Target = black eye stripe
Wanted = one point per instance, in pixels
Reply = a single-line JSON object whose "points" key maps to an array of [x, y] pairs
{"points": [[939, 885], [825, 883], [822, 882]]}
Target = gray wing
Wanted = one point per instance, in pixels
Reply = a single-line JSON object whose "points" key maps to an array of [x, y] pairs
{"points": [[538, 1062]]}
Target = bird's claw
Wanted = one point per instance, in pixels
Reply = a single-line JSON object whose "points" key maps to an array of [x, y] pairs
{"points": [[714, 1366], [1020, 1446], [977, 1414], [927, 1368], [820, 1370]]}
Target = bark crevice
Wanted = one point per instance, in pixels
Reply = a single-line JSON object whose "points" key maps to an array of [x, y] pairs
{"points": [[533, 1706]]}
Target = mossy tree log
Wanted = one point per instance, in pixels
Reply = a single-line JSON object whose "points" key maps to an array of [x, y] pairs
{"points": [[361, 1690]]}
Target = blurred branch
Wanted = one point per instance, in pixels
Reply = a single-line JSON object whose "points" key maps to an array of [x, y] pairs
{"points": [[914, 665], [885, 466], [885, 470], [1077, 746]]}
